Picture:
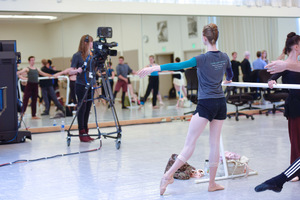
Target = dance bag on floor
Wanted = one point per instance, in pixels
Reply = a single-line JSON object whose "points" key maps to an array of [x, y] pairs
{"points": [[236, 164], [184, 172]]}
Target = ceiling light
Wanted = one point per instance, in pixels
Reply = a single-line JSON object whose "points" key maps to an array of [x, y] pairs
{"points": [[27, 17]]}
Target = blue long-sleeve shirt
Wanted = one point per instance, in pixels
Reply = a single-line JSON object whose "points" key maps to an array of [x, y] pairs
{"points": [[211, 68]]}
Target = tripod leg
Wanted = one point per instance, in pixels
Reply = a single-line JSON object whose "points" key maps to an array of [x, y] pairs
{"points": [[109, 96], [96, 120]]}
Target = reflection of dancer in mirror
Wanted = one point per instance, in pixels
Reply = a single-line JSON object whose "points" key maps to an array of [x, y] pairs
{"points": [[111, 74], [179, 84], [122, 72], [72, 72], [31, 89], [211, 106], [134, 97], [152, 85]]}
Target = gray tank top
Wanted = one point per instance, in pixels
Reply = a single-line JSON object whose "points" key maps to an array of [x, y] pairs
{"points": [[33, 75]]}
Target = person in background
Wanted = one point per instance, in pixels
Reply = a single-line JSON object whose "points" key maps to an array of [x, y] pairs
{"points": [[31, 89], [179, 84], [122, 71], [72, 96], [211, 107], [235, 67], [153, 84], [258, 64], [292, 102], [48, 89], [264, 56], [111, 74], [246, 69], [79, 65]]}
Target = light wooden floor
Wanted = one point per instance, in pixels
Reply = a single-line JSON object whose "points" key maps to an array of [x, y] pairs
{"points": [[134, 171]]}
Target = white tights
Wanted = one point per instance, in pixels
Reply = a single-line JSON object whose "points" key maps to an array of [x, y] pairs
{"points": [[196, 127]]}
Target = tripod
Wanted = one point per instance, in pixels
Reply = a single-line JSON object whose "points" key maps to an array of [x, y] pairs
{"points": [[108, 96]]}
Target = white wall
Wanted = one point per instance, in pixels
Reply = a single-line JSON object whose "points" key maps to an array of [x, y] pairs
{"points": [[85, 6], [61, 39], [285, 26], [31, 39]]}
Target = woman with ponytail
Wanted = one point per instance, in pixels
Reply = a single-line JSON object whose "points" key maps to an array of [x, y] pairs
{"points": [[79, 64], [211, 107]]}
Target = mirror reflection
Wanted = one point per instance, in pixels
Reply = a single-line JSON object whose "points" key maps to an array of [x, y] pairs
{"points": [[142, 40]]}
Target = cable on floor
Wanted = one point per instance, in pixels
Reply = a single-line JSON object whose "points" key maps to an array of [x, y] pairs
{"points": [[50, 157]]}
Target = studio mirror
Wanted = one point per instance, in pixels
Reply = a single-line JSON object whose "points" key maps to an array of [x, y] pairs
{"points": [[139, 36]]}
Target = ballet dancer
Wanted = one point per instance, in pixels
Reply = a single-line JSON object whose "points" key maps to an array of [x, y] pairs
{"points": [[211, 106]]}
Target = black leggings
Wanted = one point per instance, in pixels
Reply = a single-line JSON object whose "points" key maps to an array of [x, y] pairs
{"points": [[84, 112], [72, 97], [153, 84]]}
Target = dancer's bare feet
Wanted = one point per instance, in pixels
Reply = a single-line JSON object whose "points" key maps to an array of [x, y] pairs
{"points": [[155, 107], [140, 107], [215, 187], [164, 183], [295, 179], [35, 117]]}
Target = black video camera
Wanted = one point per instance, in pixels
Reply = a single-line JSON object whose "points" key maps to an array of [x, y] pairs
{"points": [[102, 49]]}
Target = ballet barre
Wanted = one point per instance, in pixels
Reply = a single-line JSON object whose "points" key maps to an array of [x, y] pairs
{"points": [[136, 78], [244, 84], [262, 85], [46, 78]]}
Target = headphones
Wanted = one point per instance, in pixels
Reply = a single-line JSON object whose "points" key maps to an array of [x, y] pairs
{"points": [[86, 39]]}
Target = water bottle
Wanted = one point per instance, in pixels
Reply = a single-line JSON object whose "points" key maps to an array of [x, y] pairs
{"points": [[206, 168], [62, 126], [221, 169], [54, 122]]}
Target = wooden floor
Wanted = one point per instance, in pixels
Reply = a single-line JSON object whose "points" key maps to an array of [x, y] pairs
{"points": [[134, 171]]}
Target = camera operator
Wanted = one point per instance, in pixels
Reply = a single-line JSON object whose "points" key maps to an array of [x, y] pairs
{"points": [[80, 64]]}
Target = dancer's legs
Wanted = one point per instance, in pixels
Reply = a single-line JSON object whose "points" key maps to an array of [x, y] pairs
{"points": [[214, 143], [276, 183], [196, 127]]}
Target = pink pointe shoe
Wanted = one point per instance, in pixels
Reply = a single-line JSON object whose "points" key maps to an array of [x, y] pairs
{"points": [[164, 183]]}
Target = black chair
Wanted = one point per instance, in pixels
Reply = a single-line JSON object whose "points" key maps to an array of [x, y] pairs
{"points": [[272, 95], [255, 92], [192, 86], [238, 99]]}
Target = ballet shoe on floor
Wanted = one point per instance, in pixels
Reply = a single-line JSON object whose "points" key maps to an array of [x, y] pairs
{"points": [[215, 188], [164, 183]]}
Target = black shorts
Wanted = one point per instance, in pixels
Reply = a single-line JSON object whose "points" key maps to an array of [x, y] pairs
{"points": [[212, 109]]}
